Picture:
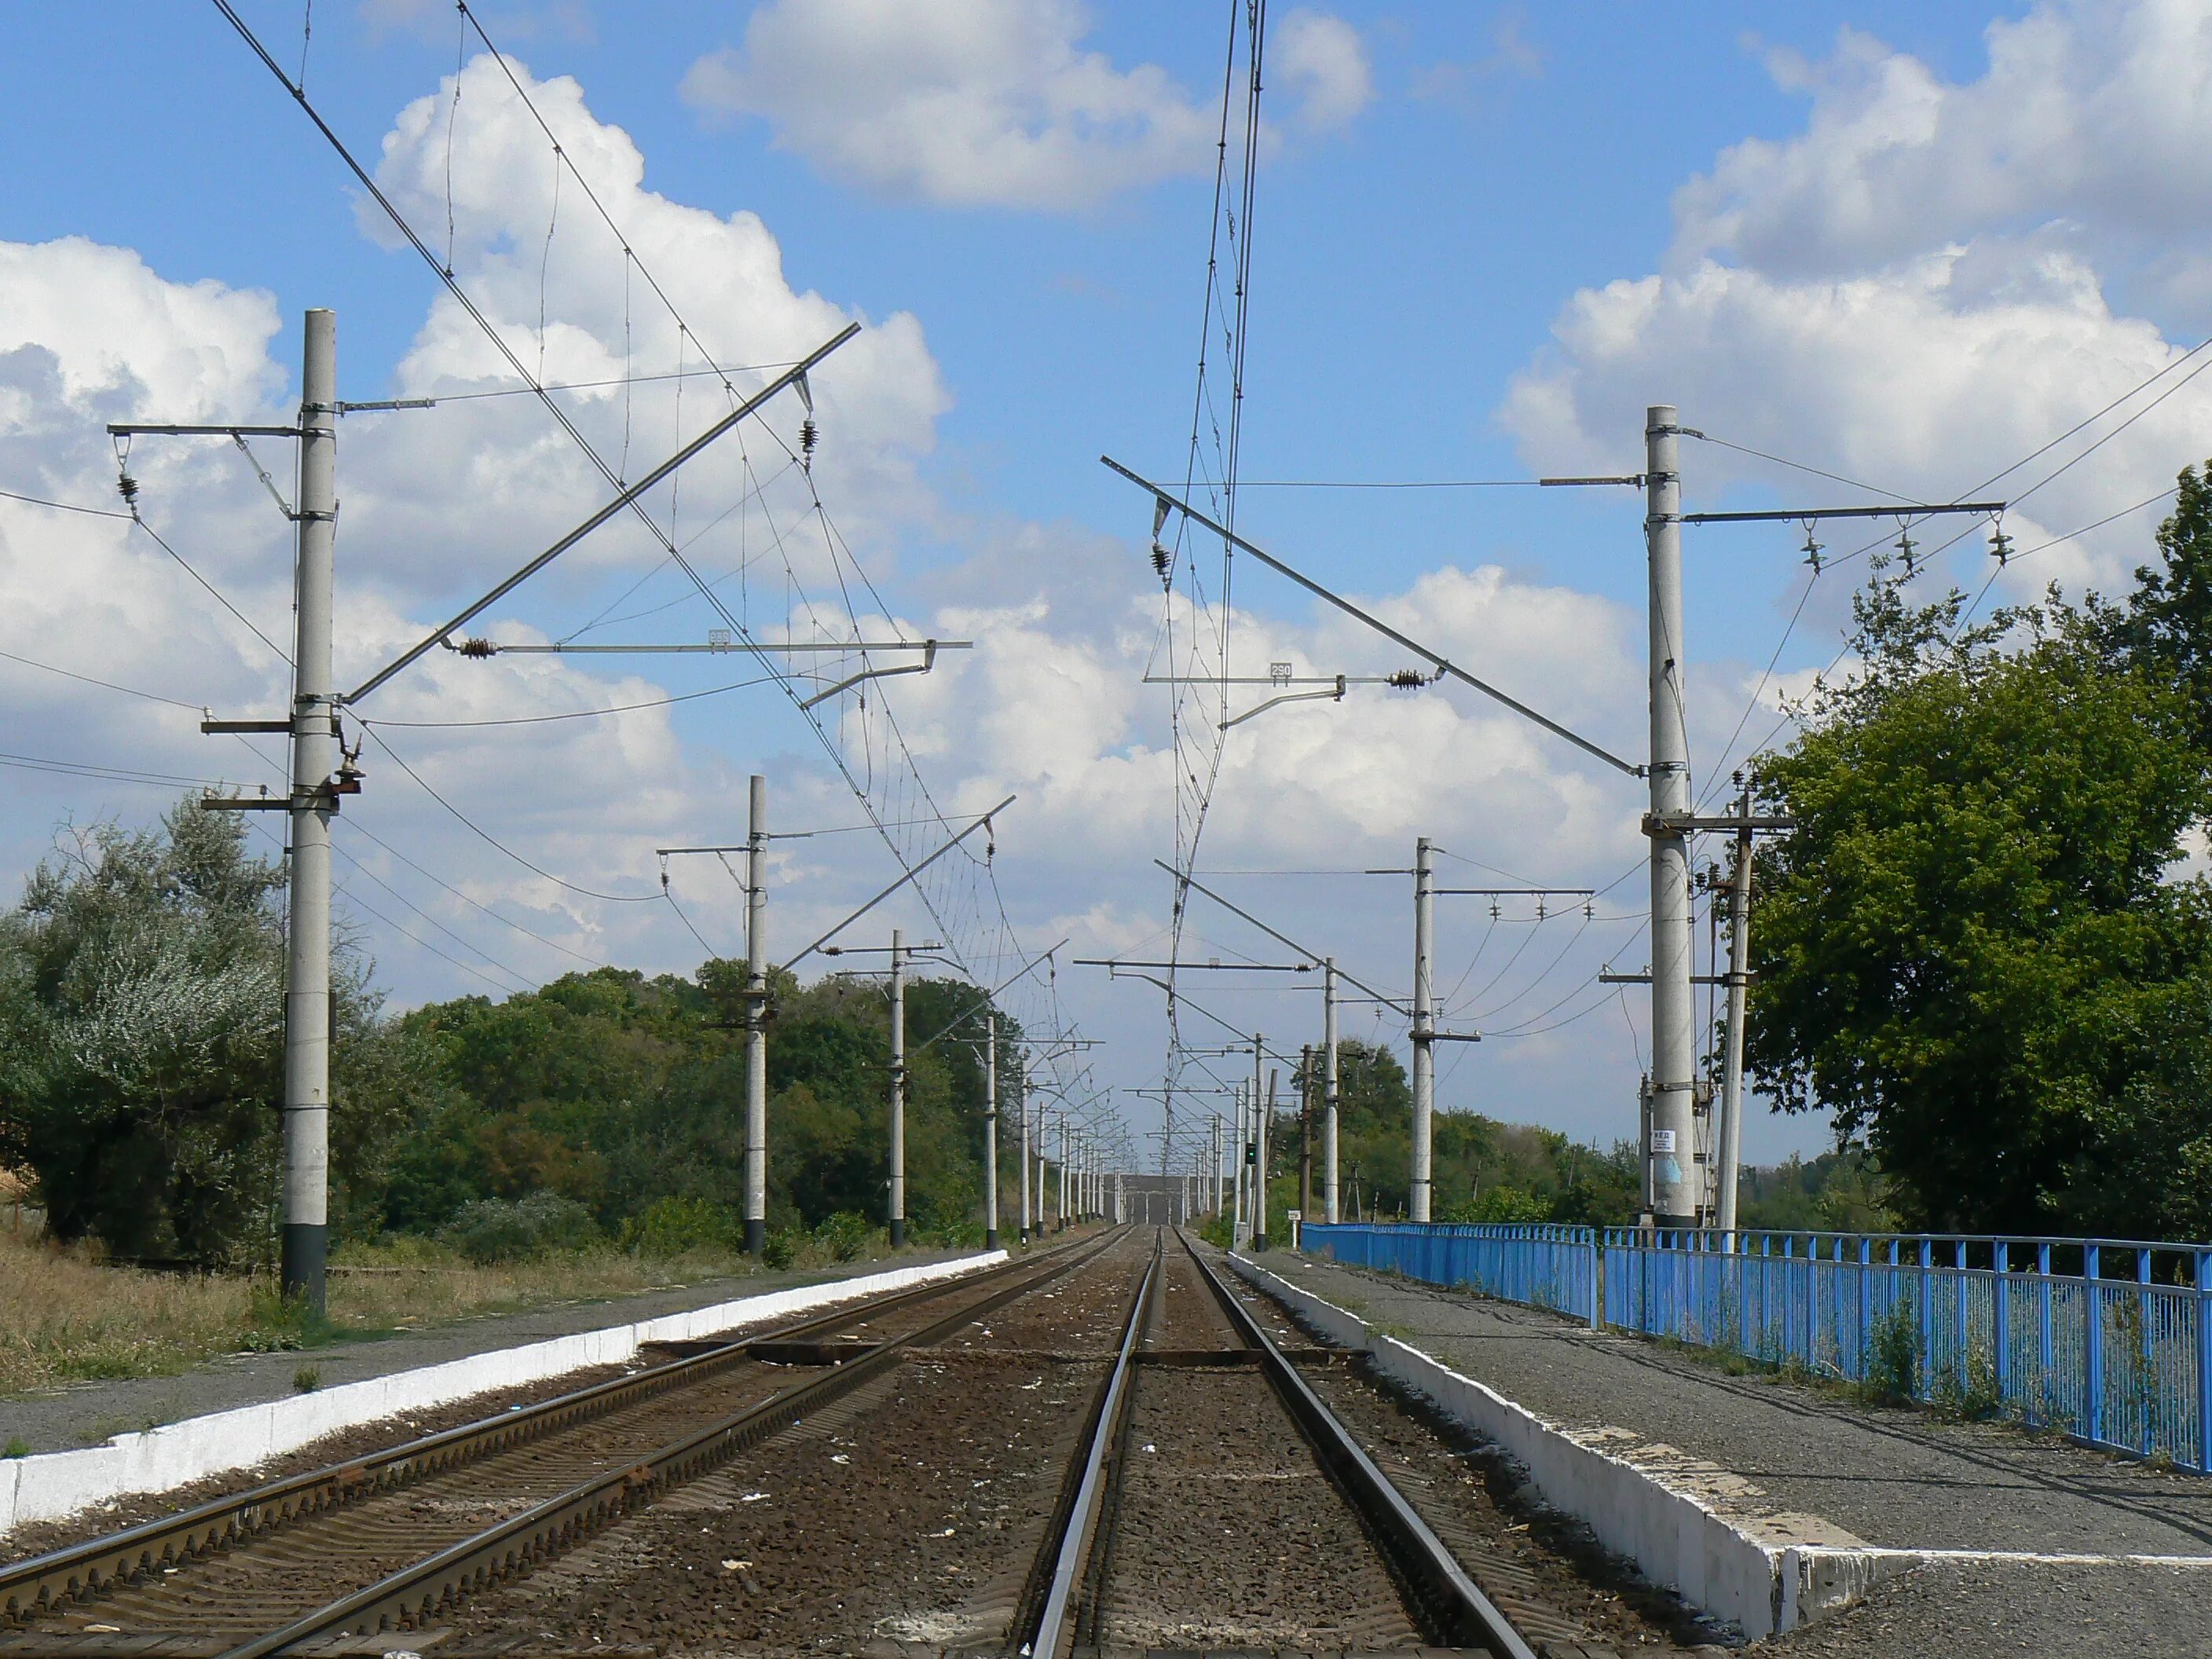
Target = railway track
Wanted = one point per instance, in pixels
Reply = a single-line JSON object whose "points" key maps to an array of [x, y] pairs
{"points": [[1221, 1503], [401, 1537], [1105, 1452]]}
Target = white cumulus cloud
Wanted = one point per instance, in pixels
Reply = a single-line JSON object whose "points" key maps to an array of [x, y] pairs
{"points": [[993, 102]]}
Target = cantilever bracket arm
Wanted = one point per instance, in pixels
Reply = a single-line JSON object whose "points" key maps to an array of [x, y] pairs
{"points": [[1335, 695], [1435, 660], [622, 499], [928, 661]]}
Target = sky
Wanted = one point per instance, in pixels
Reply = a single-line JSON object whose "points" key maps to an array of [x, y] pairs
{"points": [[1873, 252]]}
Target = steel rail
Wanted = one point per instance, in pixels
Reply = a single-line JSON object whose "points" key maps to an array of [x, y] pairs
{"points": [[520, 1543], [1076, 1531], [41, 1583], [1464, 1615]]}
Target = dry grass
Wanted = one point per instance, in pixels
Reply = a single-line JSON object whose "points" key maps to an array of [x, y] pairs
{"points": [[65, 1315]]}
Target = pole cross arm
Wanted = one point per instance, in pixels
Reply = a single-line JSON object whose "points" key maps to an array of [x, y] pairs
{"points": [[1807, 514], [627, 496], [131, 429], [1435, 659], [1684, 823], [1610, 978]]}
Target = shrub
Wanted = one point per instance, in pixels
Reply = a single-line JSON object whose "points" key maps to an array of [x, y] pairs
{"points": [[306, 1379], [500, 1230], [1501, 1204], [782, 1247], [1893, 1372], [673, 1226], [844, 1236]]}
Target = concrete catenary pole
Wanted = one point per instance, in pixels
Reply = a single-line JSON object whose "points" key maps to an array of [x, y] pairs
{"points": [[1267, 1115], [991, 1129], [307, 1108], [1029, 1153], [756, 1021], [1237, 1172], [1739, 980], [898, 1089], [1328, 1182], [1674, 1195], [1060, 1208], [1425, 1069]]}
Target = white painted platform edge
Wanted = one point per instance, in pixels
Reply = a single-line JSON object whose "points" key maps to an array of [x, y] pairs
{"points": [[51, 1486], [1674, 1538]]}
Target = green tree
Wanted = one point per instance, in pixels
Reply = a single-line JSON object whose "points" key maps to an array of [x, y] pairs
{"points": [[1967, 950], [140, 1043]]}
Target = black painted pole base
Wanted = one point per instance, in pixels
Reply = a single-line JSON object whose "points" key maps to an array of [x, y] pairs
{"points": [[898, 1231], [1259, 1240], [756, 1236], [302, 1250], [990, 1238]]}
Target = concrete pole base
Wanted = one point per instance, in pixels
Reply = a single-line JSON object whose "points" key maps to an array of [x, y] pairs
{"points": [[303, 1249], [990, 1238], [898, 1232], [756, 1236]]}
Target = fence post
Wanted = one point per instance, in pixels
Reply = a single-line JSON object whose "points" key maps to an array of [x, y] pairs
{"points": [[2001, 1313], [2146, 1373], [2093, 1349], [1866, 1302], [2204, 1361], [1925, 1308], [1965, 1320]]}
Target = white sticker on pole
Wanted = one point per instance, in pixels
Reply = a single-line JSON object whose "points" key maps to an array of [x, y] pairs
{"points": [[1662, 1143]]}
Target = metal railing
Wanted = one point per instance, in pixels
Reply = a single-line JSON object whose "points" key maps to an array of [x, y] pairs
{"points": [[2107, 1340], [1545, 1264]]}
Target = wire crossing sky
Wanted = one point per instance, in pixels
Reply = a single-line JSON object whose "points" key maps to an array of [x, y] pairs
{"points": [[1450, 252]]}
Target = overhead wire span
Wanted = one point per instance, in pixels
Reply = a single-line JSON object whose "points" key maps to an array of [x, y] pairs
{"points": [[576, 713], [936, 902], [355, 826], [489, 839]]}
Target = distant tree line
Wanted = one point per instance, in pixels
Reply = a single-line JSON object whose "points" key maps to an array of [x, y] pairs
{"points": [[141, 1077]]}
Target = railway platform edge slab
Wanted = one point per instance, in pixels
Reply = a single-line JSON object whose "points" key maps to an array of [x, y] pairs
{"points": [[53, 1486], [1672, 1514]]}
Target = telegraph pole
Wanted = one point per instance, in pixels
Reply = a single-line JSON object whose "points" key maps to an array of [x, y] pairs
{"points": [[898, 1089], [756, 1021], [1671, 1134], [1424, 1068], [1329, 1184], [1739, 980], [314, 800], [991, 1129]]}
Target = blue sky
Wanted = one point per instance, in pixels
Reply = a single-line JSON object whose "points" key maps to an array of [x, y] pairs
{"points": [[1815, 227]]}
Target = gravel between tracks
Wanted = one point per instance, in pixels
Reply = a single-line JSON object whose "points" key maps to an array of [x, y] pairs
{"points": [[910, 1511], [1227, 1535]]}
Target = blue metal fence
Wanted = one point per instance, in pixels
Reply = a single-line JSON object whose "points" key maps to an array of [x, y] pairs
{"points": [[1541, 1263], [2107, 1340]]}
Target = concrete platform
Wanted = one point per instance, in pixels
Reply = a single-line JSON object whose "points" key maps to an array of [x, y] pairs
{"points": [[1766, 1502]]}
